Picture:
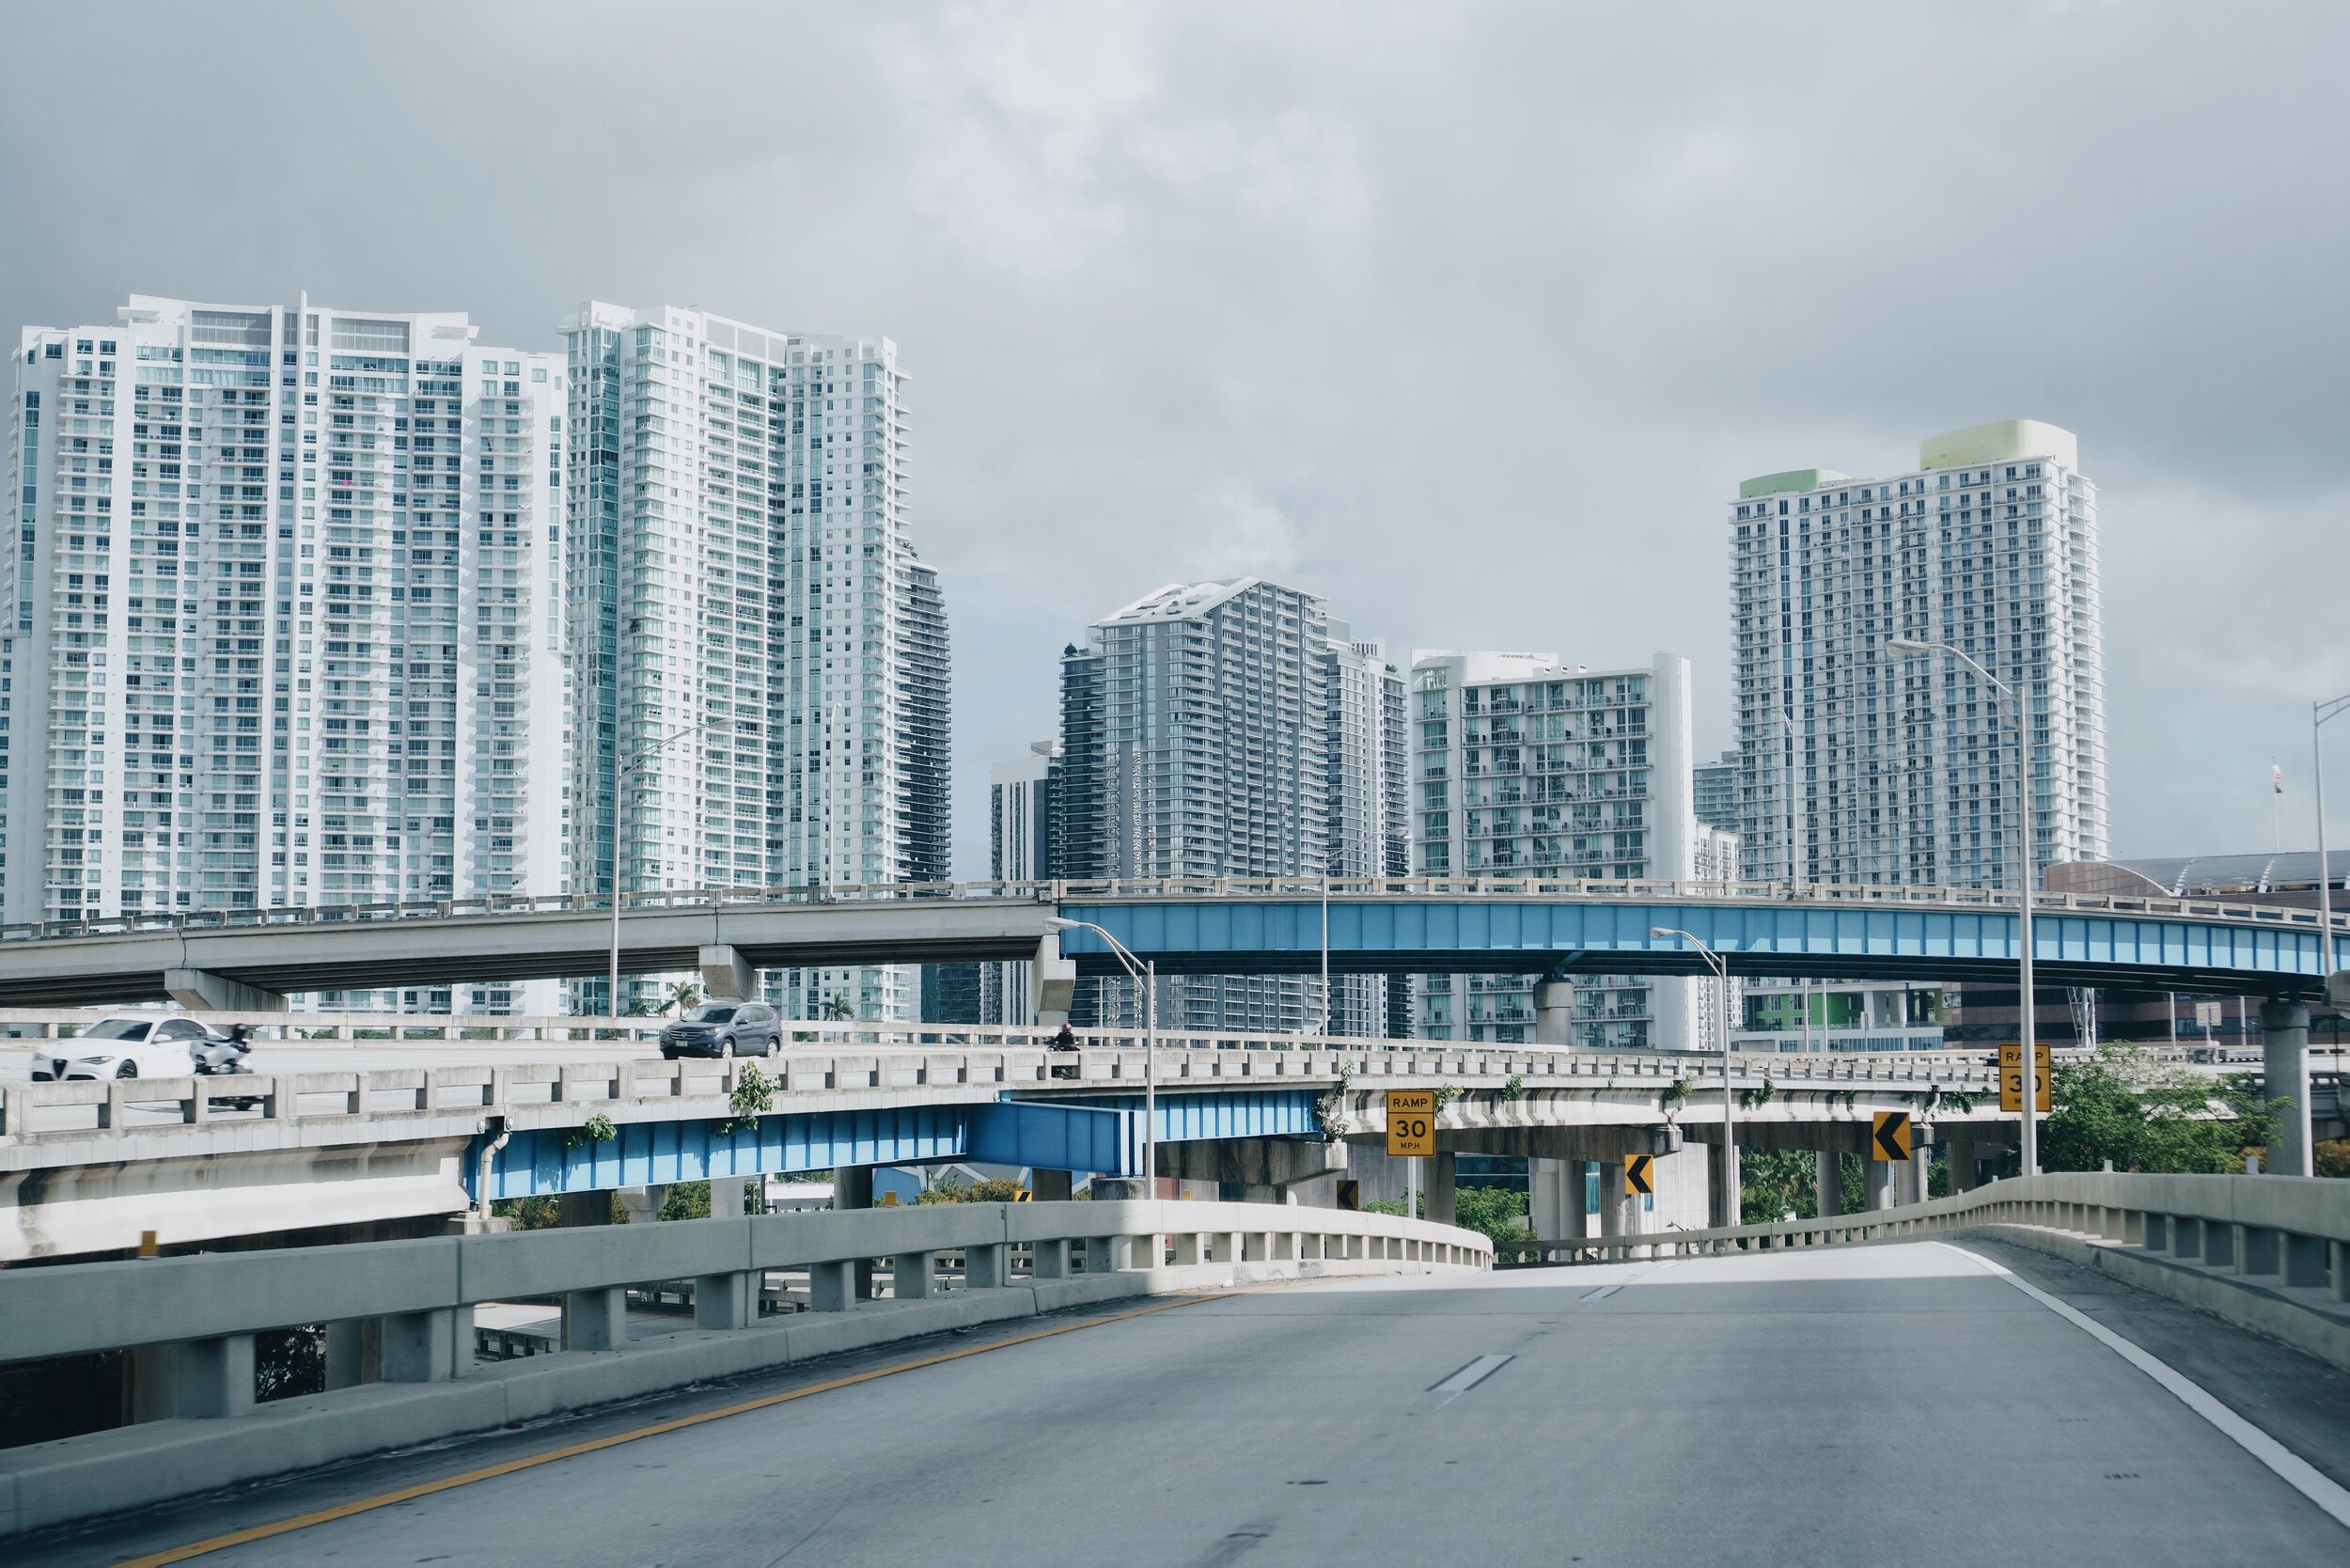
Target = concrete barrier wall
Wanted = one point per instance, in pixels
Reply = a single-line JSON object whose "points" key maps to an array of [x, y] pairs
{"points": [[422, 1293], [2268, 1253]]}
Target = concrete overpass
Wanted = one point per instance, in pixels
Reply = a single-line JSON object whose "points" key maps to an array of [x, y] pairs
{"points": [[1970, 1390], [253, 959], [88, 1167]]}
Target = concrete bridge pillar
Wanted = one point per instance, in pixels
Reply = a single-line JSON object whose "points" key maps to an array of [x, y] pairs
{"points": [[201, 990], [2286, 1068], [1958, 1158], [1554, 1012], [1619, 1216], [642, 1204], [1717, 1155], [1554, 1198], [1880, 1183], [726, 1195], [727, 975], [1827, 1183], [1438, 1173], [1052, 1186], [583, 1208], [1053, 981], [851, 1188]]}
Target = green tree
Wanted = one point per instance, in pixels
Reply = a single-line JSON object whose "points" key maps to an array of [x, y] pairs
{"points": [[2123, 1106], [838, 1009], [995, 1189], [684, 996], [1498, 1213]]}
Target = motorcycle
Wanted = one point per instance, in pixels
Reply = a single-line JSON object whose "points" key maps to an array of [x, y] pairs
{"points": [[221, 1055]]}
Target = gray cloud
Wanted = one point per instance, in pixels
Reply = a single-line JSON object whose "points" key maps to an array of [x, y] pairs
{"points": [[1469, 317]]}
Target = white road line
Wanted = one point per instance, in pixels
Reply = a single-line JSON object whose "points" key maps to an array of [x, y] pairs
{"points": [[2289, 1467], [1471, 1375], [1599, 1294]]}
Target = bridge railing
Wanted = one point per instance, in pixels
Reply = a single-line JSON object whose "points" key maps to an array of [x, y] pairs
{"points": [[1057, 892], [395, 1322], [2292, 1228], [367, 1102]]}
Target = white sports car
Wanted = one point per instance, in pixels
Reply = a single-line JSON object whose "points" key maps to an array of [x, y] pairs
{"points": [[127, 1048]]}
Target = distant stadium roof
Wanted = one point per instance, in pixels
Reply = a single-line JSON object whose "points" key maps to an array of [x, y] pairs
{"points": [[2200, 876]]}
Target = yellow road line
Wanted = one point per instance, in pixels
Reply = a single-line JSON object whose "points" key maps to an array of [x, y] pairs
{"points": [[508, 1467]]}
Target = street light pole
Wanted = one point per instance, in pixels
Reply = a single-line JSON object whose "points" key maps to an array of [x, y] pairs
{"points": [[619, 781], [1911, 648], [1720, 966], [2319, 713], [1145, 975]]}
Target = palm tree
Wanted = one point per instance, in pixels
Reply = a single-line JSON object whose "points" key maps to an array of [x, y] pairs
{"points": [[838, 1009], [684, 994]]}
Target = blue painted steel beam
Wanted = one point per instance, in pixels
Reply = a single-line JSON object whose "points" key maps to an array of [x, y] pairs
{"points": [[1611, 936], [1231, 1113], [543, 1161]]}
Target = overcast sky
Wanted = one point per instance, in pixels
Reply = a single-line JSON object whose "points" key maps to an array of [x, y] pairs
{"points": [[1469, 318]]}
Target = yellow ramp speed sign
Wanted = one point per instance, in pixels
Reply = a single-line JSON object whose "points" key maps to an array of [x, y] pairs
{"points": [[1412, 1122], [2011, 1077]]}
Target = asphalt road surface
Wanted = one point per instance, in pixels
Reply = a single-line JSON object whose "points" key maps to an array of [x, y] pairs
{"points": [[1879, 1406]]}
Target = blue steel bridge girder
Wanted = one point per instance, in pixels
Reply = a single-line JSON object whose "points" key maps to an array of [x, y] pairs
{"points": [[1512, 935], [542, 1161]]}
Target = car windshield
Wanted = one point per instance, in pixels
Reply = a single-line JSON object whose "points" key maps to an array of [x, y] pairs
{"points": [[117, 1028], [710, 1014]]}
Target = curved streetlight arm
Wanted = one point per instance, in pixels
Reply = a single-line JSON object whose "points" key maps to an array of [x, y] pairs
{"points": [[1720, 966], [1146, 977]]}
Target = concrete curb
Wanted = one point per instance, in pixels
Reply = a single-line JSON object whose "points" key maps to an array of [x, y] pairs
{"points": [[2269, 1309], [137, 1466]]}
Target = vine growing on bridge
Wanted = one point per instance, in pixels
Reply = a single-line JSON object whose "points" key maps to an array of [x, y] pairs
{"points": [[754, 1096]]}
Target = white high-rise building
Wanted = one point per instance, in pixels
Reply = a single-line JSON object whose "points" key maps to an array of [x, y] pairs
{"points": [[285, 614], [1904, 771], [1367, 805], [742, 574], [1523, 766], [1020, 848]]}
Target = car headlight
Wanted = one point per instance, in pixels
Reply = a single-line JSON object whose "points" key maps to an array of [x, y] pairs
{"points": [[95, 1060]]}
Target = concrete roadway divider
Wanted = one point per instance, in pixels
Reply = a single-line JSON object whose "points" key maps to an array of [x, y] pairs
{"points": [[422, 1295]]}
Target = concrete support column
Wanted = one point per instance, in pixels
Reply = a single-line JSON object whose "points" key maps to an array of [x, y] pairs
{"points": [[984, 1268], [1052, 1186], [1827, 1183], [201, 990], [727, 975], [727, 1194], [728, 1300], [595, 1319], [642, 1204], [1958, 1157], [1438, 1173], [914, 1275], [853, 1188], [1053, 981], [1555, 1199], [2285, 1070], [1880, 1183], [1617, 1214], [1716, 1155], [427, 1347], [1554, 1012]]}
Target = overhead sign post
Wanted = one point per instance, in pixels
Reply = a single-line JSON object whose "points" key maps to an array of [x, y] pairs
{"points": [[1639, 1174], [1411, 1124], [1889, 1136], [2012, 1078]]}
